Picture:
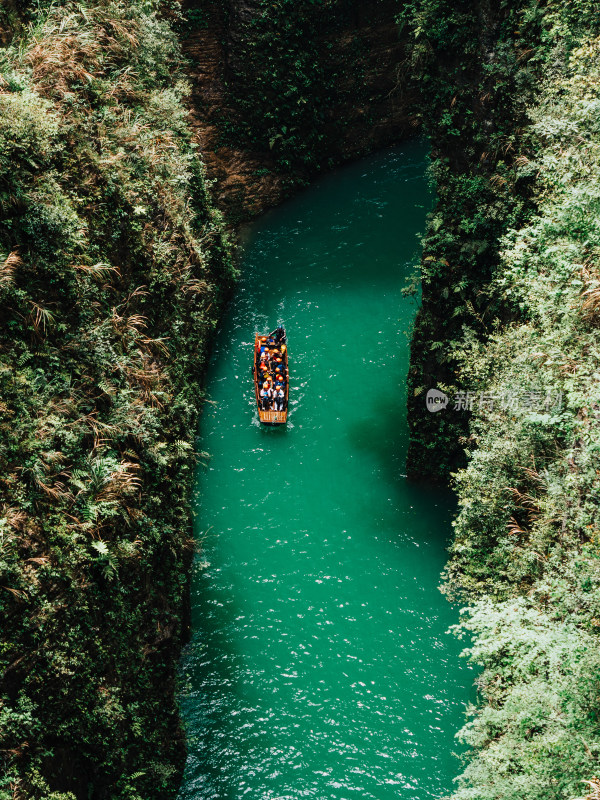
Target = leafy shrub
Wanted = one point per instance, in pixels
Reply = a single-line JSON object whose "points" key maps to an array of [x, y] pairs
{"points": [[113, 266], [526, 545]]}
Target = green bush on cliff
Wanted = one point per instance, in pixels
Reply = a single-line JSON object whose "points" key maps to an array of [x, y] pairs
{"points": [[537, 735], [528, 529], [112, 268], [511, 290], [288, 67], [473, 68]]}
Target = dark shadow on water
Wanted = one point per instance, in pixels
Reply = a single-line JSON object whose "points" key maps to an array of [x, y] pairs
{"points": [[382, 434], [273, 430]]}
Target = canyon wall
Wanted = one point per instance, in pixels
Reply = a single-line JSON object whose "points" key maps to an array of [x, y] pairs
{"points": [[284, 90]]}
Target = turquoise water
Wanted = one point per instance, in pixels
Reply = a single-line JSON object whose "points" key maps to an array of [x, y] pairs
{"points": [[320, 666]]}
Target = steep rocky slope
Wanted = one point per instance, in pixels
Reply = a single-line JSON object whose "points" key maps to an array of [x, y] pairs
{"points": [[113, 267], [282, 91]]}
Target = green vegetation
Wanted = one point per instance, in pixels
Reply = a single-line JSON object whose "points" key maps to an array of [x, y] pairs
{"points": [[297, 73], [528, 522], [284, 79], [112, 271], [511, 302], [476, 71]]}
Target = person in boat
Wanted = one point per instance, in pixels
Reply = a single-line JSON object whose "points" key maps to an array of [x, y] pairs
{"points": [[279, 398], [263, 398], [278, 335], [266, 394]]}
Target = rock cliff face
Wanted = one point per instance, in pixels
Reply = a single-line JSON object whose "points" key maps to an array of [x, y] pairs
{"points": [[350, 100]]}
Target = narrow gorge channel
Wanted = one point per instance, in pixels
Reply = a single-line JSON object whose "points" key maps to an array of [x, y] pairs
{"points": [[319, 664]]}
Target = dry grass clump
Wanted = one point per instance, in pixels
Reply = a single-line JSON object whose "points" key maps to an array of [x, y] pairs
{"points": [[591, 294], [8, 268], [78, 45]]}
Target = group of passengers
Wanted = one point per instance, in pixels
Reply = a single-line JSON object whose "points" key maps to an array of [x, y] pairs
{"points": [[271, 371]]}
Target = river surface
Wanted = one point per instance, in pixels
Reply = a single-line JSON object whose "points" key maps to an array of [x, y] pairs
{"points": [[319, 665]]}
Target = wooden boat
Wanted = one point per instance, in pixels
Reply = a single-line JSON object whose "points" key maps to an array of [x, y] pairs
{"points": [[269, 416]]}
